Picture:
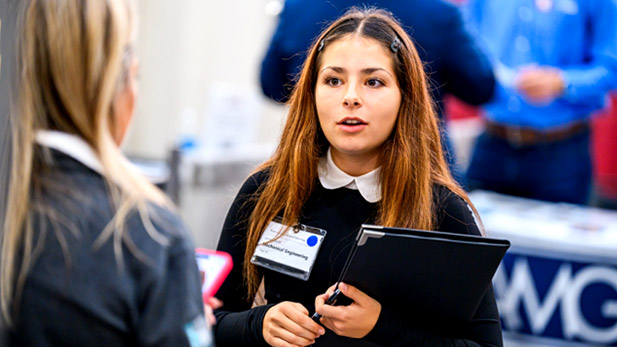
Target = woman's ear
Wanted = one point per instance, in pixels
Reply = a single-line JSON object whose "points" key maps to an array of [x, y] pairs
{"points": [[124, 104]]}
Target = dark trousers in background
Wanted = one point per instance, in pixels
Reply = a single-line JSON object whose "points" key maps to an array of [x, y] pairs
{"points": [[559, 171]]}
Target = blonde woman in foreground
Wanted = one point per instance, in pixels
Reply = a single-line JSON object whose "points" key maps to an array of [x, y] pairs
{"points": [[92, 254]]}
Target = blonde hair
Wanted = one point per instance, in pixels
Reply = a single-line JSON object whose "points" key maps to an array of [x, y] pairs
{"points": [[73, 58], [412, 157]]}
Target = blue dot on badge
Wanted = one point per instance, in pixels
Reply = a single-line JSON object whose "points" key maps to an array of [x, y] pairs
{"points": [[312, 240]]}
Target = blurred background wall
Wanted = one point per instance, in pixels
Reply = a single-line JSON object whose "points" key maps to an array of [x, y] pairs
{"points": [[200, 59], [188, 47]]}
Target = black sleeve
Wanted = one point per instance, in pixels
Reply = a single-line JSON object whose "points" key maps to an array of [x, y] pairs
{"points": [[237, 323], [170, 301], [453, 213], [467, 74], [484, 329]]}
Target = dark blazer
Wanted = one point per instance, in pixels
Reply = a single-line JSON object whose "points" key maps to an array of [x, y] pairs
{"points": [[453, 61], [79, 295]]}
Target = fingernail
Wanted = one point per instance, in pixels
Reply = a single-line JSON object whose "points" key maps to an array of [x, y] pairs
{"points": [[343, 286], [321, 331]]}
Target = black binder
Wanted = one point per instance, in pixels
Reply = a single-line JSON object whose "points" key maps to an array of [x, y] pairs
{"points": [[424, 276]]}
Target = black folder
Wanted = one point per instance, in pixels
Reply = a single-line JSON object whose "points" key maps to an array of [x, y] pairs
{"points": [[424, 276]]}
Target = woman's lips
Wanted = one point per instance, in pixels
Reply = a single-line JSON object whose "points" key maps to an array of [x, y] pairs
{"points": [[352, 124], [352, 128]]}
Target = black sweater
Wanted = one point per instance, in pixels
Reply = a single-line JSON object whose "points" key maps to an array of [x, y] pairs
{"points": [[340, 212]]}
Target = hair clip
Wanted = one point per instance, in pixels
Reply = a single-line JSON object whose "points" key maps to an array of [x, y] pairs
{"points": [[396, 44], [321, 44]]}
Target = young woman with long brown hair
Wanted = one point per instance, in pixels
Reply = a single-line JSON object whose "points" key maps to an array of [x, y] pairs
{"points": [[361, 145], [92, 254]]}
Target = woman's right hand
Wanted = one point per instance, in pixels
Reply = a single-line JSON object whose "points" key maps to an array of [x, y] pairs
{"points": [[288, 324]]}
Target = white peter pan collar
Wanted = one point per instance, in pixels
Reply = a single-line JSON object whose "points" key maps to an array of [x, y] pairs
{"points": [[71, 145], [331, 177]]}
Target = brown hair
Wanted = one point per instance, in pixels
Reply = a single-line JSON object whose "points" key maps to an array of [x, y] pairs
{"points": [[412, 157]]}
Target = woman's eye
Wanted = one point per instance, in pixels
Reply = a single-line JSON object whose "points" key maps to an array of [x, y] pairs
{"points": [[333, 81], [374, 82]]}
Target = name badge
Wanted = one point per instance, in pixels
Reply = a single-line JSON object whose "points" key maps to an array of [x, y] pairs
{"points": [[293, 253]]}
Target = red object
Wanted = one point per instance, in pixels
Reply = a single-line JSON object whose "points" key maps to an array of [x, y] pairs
{"points": [[604, 149], [455, 109], [214, 266]]}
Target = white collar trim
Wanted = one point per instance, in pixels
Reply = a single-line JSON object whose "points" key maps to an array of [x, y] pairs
{"points": [[331, 177], [71, 145]]}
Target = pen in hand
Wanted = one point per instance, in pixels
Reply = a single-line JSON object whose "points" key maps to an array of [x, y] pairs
{"points": [[331, 300]]}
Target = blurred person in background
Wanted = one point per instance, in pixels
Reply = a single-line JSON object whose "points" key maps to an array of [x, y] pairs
{"points": [[92, 254], [453, 62], [555, 61]]}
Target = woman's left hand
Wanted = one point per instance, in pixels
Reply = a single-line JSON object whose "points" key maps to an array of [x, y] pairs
{"points": [[355, 320]]}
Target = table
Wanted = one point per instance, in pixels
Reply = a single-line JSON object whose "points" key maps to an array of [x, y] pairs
{"points": [[557, 285]]}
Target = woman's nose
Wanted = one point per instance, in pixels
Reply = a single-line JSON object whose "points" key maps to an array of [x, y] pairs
{"points": [[352, 99], [351, 102]]}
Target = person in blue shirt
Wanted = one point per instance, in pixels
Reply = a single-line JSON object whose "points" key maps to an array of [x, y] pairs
{"points": [[453, 62], [555, 61]]}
